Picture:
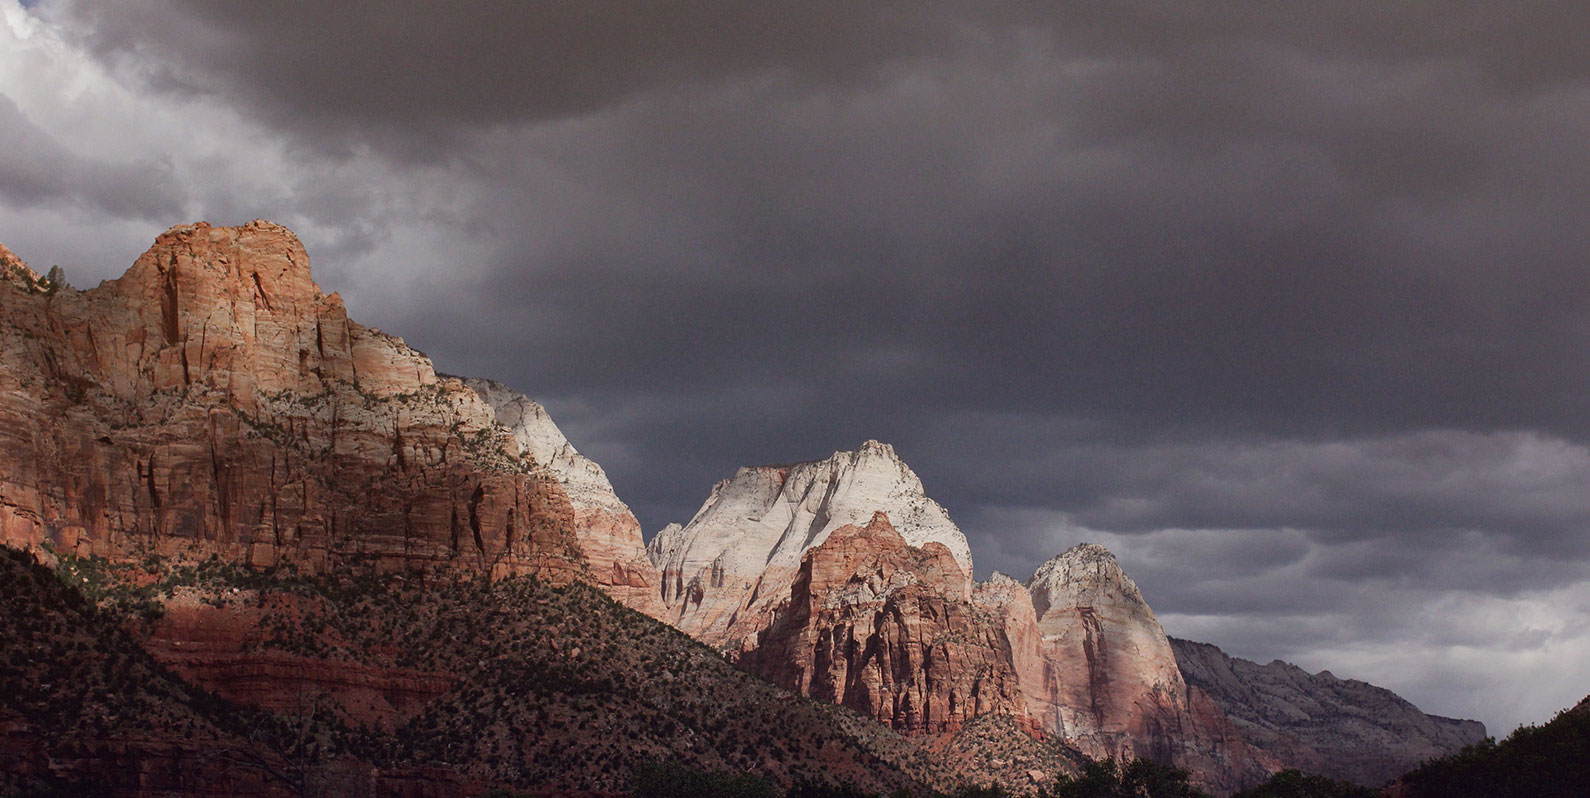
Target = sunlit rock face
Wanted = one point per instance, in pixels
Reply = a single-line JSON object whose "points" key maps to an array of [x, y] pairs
{"points": [[890, 630], [740, 552], [1342, 728], [608, 533], [214, 400], [1110, 683], [802, 573]]}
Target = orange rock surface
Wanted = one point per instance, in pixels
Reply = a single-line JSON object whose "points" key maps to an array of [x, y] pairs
{"points": [[214, 400], [889, 630]]}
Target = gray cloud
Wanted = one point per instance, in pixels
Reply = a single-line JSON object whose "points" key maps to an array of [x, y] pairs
{"points": [[1287, 307], [36, 170]]}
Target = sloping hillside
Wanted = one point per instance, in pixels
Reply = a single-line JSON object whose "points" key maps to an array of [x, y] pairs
{"points": [[1547, 761], [472, 683]]}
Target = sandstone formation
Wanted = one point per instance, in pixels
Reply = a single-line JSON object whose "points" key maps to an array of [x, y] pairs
{"points": [[888, 621], [1110, 684], [890, 630], [607, 532], [214, 400], [215, 403], [743, 547], [228, 650], [1342, 728]]}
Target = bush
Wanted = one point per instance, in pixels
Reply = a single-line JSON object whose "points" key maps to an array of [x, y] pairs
{"points": [[812, 789], [677, 780], [1141, 778], [1547, 761], [1295, 784]]}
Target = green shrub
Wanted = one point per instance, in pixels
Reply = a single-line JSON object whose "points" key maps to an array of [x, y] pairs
{"points": [[1140, 778], [1296, 784], [677, 780]]}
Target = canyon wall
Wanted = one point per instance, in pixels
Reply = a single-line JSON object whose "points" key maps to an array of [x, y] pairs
{"points": [[214, 401], [1315, 722], [890, 623]]}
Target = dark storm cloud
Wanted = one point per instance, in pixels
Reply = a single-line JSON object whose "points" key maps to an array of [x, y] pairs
{"points": [[406, 75], [1287, 304], [35, 170]]}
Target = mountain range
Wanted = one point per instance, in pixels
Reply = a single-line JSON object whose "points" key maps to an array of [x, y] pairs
{"points": [[319, 563]]}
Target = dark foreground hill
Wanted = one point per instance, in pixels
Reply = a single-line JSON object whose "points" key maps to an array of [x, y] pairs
{"points": [[380, 687], [1547, 761]]}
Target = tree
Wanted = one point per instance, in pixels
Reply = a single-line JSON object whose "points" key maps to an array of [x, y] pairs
{"points": [[55, 280], [1296, 784], [1140, 778]]}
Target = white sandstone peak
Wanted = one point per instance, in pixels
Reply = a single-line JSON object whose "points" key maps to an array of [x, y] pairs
{"points": [[662, 545], [1084, 575], [534, 431], [764, 518], [1001, 579]]}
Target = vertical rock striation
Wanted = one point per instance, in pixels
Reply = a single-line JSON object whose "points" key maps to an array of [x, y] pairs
{"points": [[214, 401], [607, 532], [1110, 684], [887, 620], [890, 630], [741, 550]]}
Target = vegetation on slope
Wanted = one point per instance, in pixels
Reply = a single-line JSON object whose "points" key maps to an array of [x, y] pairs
{"points": [[85, 710], [554, 687], [1546, 761], [1296, 784]]}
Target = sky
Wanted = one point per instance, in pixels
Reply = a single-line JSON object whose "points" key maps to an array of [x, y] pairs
{"points": [[1286, 304]]}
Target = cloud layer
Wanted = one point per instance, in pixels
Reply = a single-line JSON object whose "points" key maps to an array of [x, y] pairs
{"points": [[1289, 309]]}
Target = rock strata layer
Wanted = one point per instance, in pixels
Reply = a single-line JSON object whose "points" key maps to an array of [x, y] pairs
{"points": [[1110, 685], [888, 621], [608, 533], [890, 630], [214, 401], [1315, 722], [743, 547]]}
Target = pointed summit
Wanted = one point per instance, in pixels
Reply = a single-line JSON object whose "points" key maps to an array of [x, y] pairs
{"points": [[1084, 575], [14, 268], [608, 533], [754, 527]]}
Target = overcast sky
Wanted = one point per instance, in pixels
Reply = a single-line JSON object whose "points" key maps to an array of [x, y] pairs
{"points": [[1289, 308]]}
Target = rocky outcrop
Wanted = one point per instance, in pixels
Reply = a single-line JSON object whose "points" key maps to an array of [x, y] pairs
{"points": [[723, 572], [214, 400], [226, 649], [890, 623], [1341, 728], [1110, 685], [890, 630], [608, 534]]}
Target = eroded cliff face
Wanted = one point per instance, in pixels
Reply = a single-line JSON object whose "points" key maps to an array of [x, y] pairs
{"points": [[724, 572], [1315, 722], [214, 400], [608, 533], [894, 627], [1110, 683], [890, 630]]}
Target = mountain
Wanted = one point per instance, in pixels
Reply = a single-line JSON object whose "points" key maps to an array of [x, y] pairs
{"points": [[746, 542], [608, 533], [214, 400], [1341, 728], [413, 577], [1110, 683], [779, 570], [369, 684], [890, 630], [392, 580]]}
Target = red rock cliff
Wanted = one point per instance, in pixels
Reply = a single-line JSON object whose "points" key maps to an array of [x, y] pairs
{"points": [[891, 631], [214, 400]]}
